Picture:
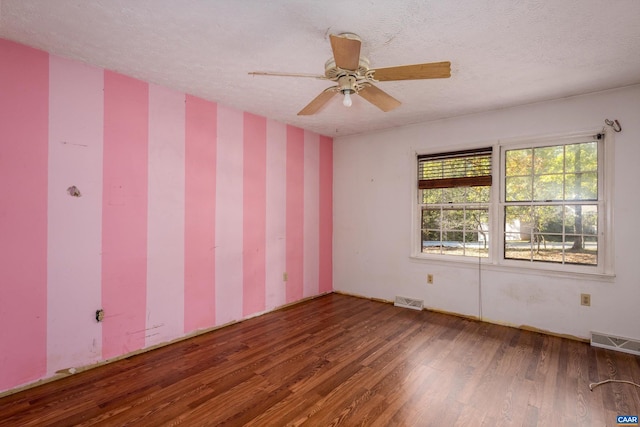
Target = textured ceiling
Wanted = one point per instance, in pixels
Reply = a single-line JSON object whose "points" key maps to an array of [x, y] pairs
{"points": [[503, 52]]}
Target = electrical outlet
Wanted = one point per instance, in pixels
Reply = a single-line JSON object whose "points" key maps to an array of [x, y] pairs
{"points": [[585, 299], [285, 276], [430, 279], [99, 315]]}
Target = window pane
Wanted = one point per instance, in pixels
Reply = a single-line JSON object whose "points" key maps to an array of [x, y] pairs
{"points": [[452, 219], [519, 189], [581, 219], [433, 195], [590, 219], [518, 220], [431, 218], [475, 244], [581, 250], [478, 194], [548, 187], [512, 237], [559, 173], [538, 247], [476, 220], [431, 241], [518, 162], [514, 248], [581, 186], [547, 219], [589, 253], [548, 160], [465, 232], [454, 195], [547, 248], [581, 157], [552, 233], [431, 235], [452, 243], [454, 238]]}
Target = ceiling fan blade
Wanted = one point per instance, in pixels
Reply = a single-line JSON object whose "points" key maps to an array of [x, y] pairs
{"points": [[379, 98], [431, 70], [269, 73], [346, 52], [318, 102]]}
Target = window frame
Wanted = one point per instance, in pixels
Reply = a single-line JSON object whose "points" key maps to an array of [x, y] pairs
{"points": [[448, 182], [496, 211]]}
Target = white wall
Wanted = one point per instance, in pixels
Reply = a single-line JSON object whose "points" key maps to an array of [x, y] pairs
{"points": [[373, 201]]}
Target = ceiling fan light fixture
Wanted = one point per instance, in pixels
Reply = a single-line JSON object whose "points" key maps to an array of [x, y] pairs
{"points": [[347, 86], [347, 101]]}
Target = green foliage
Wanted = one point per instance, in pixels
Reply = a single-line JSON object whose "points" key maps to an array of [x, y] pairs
{"points": [[554, 173], [455, 195]]}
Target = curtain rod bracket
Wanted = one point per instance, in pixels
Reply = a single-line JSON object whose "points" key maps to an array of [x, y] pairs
{"points": [[614, 124]]}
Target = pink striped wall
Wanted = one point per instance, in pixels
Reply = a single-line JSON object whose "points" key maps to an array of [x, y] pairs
{"points": [[276, 229], [24, 99], [166, 207], [254, 220], [74, 223], [311, 210], [124, 213], [190, 213], [229, 216], [325, 259], [200, 209], [295, 214]]}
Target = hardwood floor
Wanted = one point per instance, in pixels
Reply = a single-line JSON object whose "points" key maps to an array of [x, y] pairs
{"points": [[340, 360]]}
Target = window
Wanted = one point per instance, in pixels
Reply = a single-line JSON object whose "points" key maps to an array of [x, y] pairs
{"points": [[537, 204], [454, 201], [551, 203]]}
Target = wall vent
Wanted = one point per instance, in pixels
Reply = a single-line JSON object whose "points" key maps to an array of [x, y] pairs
{"points": [[626, 345], [412, 303]]}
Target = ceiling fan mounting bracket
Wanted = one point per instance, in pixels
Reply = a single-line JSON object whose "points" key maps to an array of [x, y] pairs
{"points": [[350, 36]]}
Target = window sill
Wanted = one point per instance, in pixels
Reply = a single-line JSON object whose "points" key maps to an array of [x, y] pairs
{"points": [[485, 264]]}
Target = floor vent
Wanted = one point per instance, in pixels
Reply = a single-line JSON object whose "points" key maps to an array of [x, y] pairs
{"points": [[626, 345], [414, 304]]}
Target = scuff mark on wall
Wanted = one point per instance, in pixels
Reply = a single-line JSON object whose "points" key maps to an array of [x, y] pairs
{"points": [[74, 191], [73, 143]]}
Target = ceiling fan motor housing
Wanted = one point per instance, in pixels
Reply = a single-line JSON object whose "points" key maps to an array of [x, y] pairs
{"points": [[333, 72]]}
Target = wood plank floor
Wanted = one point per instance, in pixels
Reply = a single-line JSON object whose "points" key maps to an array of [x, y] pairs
{"points": [[340, 360]]}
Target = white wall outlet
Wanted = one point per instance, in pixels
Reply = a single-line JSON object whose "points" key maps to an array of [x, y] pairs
{"points": [[430, 279]]}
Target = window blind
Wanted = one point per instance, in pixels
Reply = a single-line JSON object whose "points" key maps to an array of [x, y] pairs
{"points": [[468, 168]]}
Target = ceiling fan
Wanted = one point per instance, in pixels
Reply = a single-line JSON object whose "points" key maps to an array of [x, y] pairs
{"points": [[353, 75]]}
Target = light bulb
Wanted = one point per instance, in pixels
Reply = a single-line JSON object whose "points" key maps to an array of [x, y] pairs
{"points": [[347, 99]]}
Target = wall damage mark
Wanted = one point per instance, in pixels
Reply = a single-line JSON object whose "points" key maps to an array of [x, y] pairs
{"points": [[74, 191], [73, 143]]}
